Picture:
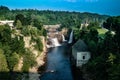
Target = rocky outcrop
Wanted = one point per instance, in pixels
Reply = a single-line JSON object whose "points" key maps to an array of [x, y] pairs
{"points": [[40, 59], [19, 66]]}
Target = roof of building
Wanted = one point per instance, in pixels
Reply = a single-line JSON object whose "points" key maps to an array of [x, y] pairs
{"points": [[80, 46]]}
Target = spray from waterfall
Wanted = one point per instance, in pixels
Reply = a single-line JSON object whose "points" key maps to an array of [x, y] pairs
{"points": [[55, 42], [71, 37]]}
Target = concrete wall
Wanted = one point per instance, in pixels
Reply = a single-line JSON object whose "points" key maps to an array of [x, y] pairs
{"points": [[78, 57], [9, 22], [82, 58]]}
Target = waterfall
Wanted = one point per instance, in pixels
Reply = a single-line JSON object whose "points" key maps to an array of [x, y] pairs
{"points": [[55, 42], [63, 38], [71, 37]]}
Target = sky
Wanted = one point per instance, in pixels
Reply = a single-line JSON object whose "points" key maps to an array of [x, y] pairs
{"points": [[104, 7]]}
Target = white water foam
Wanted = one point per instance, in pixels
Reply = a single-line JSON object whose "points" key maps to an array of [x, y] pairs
{"points": [[55, 42]]}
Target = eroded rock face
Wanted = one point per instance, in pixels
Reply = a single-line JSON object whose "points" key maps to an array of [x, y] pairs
{"points": [[27, 41], [49, 42], [64, 31], [59, 37]]}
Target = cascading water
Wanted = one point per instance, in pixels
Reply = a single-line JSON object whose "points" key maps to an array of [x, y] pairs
{"points": [[63, 38], [55, 42], [71, 37]]}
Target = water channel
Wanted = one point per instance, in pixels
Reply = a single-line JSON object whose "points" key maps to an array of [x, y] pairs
{"points": [[58, 64]]}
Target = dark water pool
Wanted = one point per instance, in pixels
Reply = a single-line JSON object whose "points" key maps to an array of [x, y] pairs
{"points": [[58, 64]]}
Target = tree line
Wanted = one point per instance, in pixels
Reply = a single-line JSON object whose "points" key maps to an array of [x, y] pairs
{"points": [[65, 18]]}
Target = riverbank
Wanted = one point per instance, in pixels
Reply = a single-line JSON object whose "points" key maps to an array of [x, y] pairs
{"points": [[33, 72]]}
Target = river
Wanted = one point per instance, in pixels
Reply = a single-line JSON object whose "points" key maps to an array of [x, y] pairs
{"points": [[58, 64]]}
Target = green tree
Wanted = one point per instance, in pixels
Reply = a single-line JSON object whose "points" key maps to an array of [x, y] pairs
{"points": [[96, 69], [93, 25], [76, 34], [4, 70], [113, 23], [109, 44], [13, 60], [93, 35], [114, 66], [19, 17], [17, 45], [4, 10], [37, 24], [5, 34], [28, 61], [3, 62], [25, 31], [39, 45], [43, 32], [18, 24], [111, 58], [114, 72], [93, 48]]}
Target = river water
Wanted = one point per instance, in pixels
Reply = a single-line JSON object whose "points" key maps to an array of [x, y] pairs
{"points": [[58, 64]]}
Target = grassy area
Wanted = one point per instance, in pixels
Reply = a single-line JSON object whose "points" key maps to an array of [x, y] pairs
{"points": [[102, 31]]}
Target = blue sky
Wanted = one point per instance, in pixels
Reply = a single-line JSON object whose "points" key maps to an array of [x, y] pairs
{"points": [[108, 7]]}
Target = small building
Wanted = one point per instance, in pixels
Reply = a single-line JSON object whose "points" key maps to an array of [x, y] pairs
{"points": [[9, 22], [84, 25], [80, 53]]}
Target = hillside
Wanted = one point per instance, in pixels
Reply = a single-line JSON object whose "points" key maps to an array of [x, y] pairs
{"points": [[20, 51]]}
